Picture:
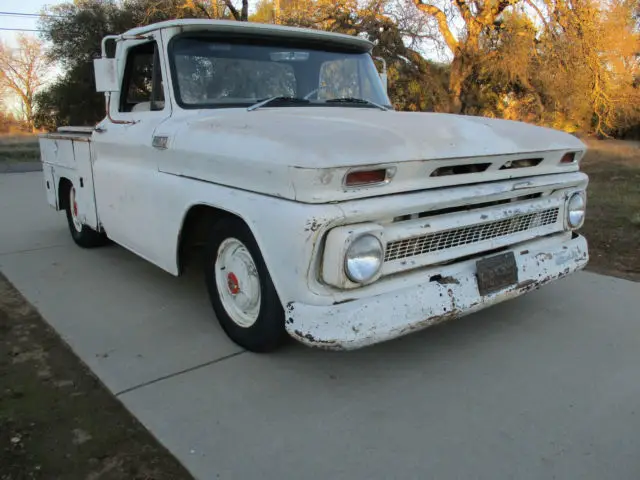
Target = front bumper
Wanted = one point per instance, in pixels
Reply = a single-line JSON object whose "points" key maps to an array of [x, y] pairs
{"points": [[446, 292]]}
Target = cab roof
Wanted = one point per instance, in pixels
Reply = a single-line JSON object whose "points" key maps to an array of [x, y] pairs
{"points": [[257, 29]]}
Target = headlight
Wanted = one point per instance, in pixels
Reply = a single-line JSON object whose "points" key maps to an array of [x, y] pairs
{"points": [[576, 210], [363, 259]]}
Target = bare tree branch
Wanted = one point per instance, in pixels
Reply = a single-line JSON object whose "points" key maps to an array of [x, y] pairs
{"points": [[441, 19], [234, 11], [23, 72]]}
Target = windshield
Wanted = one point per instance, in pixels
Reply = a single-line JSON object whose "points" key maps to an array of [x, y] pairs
{"points": [[208, 74]]}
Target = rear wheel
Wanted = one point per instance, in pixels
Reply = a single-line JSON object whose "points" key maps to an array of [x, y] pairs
{"points": [[82, 235], [240, 287]]}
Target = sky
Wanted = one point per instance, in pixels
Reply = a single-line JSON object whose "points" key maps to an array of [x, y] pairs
{"points": [[20, 6], [18, 22]]}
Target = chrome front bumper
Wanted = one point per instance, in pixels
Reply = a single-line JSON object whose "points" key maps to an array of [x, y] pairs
{"points": [[447, 292]]}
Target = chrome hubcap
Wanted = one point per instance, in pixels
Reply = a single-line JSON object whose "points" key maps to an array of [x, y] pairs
{"points": [[238, 282]]}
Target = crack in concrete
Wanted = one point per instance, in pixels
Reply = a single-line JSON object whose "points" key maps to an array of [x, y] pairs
{"points": [[175, 374], [35, 249]]}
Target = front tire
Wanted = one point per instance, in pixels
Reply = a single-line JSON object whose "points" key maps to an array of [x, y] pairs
{"points": [[240, 288], [82, 235]]}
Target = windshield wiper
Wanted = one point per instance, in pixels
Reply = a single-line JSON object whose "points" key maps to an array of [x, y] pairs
{"points": [[282, 99], [357, 100]]}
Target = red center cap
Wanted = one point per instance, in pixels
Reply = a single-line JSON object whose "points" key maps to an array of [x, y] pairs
{"points": [[232, 283]]}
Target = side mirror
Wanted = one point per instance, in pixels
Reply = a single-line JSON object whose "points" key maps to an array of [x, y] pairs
{"points": [[106, 74]]}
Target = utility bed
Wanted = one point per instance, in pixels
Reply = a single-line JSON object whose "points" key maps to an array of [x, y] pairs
{"points": [[68, 154]]}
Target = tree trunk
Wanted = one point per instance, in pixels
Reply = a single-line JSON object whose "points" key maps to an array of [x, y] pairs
{"points": [[460, 71], [28, 111], [244, 16]]}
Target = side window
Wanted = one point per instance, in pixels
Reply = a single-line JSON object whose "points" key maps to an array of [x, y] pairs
{"points": [[142, 86]]}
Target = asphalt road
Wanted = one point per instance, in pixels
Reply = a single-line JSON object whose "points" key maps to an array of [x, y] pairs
{"points": [[545, 386]]}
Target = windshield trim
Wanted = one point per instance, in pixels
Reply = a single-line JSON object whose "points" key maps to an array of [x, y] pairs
{"points": [[257, 40]]}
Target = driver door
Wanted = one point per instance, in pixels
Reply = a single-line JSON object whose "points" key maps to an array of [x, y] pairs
{"points": [[125, 168]]}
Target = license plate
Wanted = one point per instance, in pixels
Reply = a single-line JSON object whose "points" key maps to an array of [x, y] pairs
{"points": [[496, 273]]}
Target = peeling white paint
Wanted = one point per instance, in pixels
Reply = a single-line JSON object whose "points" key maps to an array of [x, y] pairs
{"points": [[371, 320]]}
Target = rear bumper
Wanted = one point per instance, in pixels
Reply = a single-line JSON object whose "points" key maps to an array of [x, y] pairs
{"points": [[374, 319]]}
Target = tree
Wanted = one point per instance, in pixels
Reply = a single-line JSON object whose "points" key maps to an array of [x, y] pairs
{"points": [[415, 83], [570, 64], [218, 9], [587, 63], [23, 71], [75, 31], [477, 17]]}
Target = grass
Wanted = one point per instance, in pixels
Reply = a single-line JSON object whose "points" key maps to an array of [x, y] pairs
{"points": [[612, 225], [19, 148], [56, 419]]}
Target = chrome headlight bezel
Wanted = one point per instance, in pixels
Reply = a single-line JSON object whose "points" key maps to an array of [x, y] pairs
{"points": [[575, 210], [363, 259]]}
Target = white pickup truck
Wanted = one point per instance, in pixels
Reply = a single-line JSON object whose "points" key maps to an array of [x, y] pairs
{"points": [[320, 211]]}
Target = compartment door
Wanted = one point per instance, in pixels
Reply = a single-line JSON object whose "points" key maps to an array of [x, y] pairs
{"points": [[50, 185], [85, 196]]}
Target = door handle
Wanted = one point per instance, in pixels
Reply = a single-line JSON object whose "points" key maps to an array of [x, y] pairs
{"points": [[160, 142]]}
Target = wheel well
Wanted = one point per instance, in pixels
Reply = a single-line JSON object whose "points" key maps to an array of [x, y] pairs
{"points": [[193, 235], [64, 185]]}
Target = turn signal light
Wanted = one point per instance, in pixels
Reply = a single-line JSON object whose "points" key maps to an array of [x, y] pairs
{"points": [[569, 157], [365, 177]]}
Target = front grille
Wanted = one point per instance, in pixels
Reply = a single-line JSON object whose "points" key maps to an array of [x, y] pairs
{"points": [[435, 242]]}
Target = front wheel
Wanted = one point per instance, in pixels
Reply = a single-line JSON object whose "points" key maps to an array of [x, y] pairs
{"points": [[240, 288], [82, 235]]}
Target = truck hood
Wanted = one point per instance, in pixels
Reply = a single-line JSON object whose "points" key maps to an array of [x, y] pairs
{"points": [[309, 149]]}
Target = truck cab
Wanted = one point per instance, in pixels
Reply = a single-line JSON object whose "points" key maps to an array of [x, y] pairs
{"points": [[319, 211]]}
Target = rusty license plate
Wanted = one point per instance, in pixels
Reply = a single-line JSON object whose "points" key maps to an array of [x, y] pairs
{"points": [[497, 272]]}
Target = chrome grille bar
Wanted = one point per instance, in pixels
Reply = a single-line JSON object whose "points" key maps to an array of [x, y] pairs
{"points": [[443, 240]]}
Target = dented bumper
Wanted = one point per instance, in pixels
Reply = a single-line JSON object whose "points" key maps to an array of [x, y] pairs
{"points": [[443, 293]]}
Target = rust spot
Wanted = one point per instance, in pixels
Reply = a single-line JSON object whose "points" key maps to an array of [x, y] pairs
{"points": [[431, 321], [444, 280], [526, 284], [312, 339], [313, 225], [524, 252], [290, 307], [544, 256], [338, 302], [484, 217]]}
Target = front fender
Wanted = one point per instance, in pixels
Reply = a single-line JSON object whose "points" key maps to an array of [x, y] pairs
{"points": [[288, 233]]}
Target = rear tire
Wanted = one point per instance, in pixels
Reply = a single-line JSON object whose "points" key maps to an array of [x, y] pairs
{"points": [[240, 288], [83, 235]]}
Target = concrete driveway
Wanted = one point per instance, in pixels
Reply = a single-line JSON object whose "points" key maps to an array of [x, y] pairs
{"points": [[545, 386]]}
